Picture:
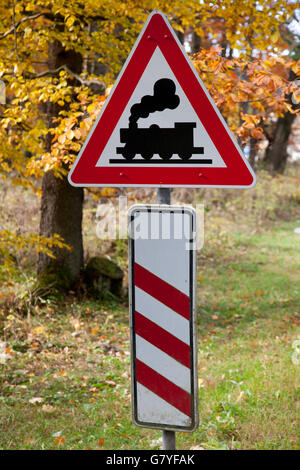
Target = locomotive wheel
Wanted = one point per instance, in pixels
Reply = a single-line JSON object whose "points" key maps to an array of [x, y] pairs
{"points": [[128, 154], [147, 156], [166, 156], [185, 156]]}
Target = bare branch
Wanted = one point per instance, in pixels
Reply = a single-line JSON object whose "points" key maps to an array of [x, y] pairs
{"points": [[81, 80], [22, 20], [47, 15], [15, 31]]}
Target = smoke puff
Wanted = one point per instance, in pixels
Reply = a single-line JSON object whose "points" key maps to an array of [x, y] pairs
{"points": [[164, 97]]}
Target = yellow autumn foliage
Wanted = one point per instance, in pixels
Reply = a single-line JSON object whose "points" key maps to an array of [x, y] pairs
{"points": [[242, 62]]}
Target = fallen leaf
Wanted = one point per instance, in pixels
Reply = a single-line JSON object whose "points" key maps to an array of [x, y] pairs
{"points": [[39, 330], [110, 382], [101, 442], [76, 323], [201, 383], [36, 400], [59, 440], [48, 408], [258, 292]]}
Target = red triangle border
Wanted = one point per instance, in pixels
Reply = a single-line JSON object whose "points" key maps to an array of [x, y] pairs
{"points": [[237, 173]]}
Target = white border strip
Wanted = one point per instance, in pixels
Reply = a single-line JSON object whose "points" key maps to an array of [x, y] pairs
{"points": [[149, 404], [189, 427], [163, 364], [162, 315]]}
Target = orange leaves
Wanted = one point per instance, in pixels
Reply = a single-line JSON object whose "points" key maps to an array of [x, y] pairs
{"points": [[257, 133], [296, 67], [210, 61], [59, 441], [267, 80], [101, 442], [109, 192], [250, 120], [9, 351], [243, 133], [258, 293], [247, 91]]}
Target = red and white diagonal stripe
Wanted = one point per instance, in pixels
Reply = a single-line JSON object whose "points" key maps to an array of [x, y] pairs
{"points": [[162, 340]]}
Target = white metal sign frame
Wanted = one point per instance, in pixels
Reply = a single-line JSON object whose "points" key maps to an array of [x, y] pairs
{"points": [[164, 332]]}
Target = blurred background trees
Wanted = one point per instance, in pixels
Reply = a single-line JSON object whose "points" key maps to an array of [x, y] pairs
{"points": [[59, 60]]}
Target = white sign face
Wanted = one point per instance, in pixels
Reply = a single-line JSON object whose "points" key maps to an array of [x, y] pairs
{"points": [[204, 153], [162, 312]]}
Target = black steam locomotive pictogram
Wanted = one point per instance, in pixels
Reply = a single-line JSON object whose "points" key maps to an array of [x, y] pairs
{"points": [[162, 141], [155, 140]]}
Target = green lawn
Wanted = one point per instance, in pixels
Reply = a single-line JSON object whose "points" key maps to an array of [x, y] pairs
{"points": [[65, 377]]}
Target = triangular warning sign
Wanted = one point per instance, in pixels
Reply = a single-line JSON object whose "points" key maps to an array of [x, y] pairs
{"points": [[159, 126]]}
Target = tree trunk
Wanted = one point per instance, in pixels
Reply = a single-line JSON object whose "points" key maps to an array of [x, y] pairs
{"points": [[61, 212], [195, 42], [276, 152], [61, 206], [252, 154]]}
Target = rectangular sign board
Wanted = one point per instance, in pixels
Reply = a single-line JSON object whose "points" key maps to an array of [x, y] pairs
{"points": [[162, 273]]}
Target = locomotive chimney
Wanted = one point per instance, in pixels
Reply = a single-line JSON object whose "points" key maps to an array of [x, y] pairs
{"points": [[163, 97], [133, 124]]}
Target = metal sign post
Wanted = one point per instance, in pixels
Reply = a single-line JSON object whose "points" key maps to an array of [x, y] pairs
{"points": [[164, 196], [168, 437], [162, 270]]}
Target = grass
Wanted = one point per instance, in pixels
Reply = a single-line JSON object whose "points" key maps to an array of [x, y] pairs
{"points": [[65, 371], [249, 384]]}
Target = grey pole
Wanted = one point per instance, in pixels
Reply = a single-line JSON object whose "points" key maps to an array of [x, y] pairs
{"points": [[168, 437], [169, 440], [164, 196]]}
